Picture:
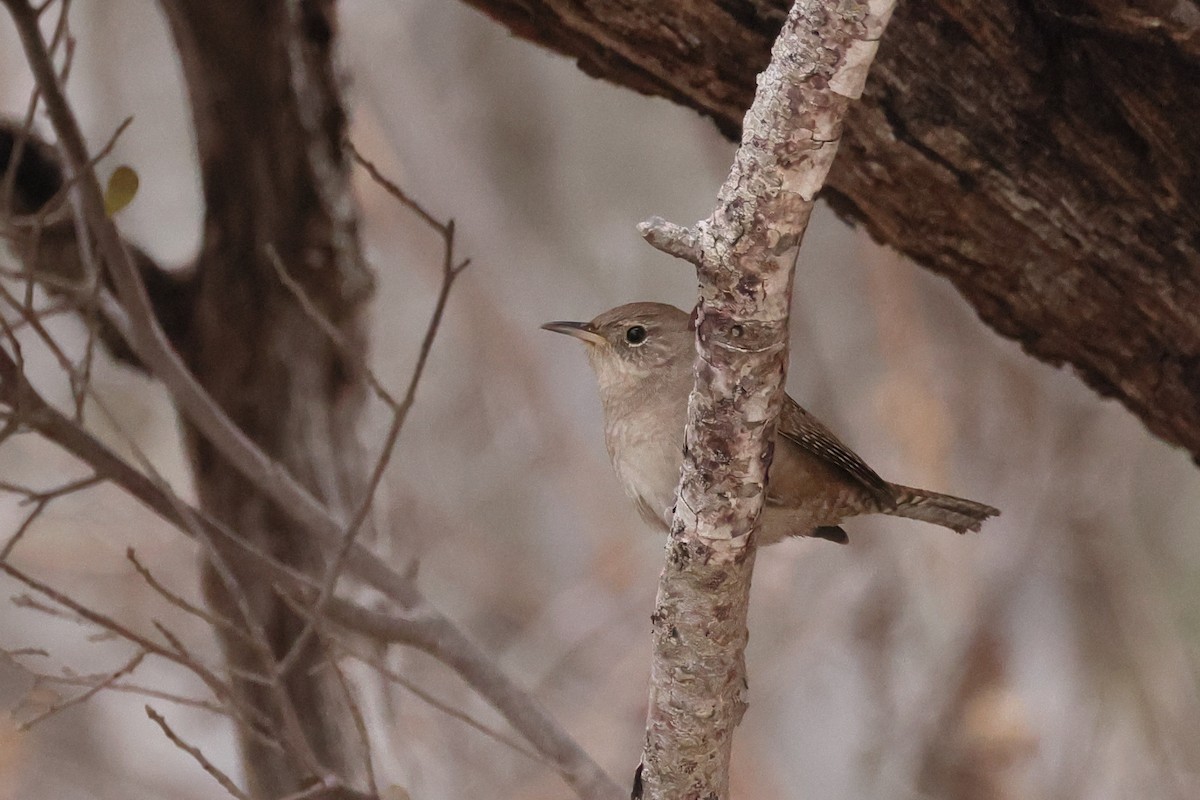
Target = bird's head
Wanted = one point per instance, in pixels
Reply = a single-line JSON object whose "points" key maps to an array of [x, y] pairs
{"points": [[634, 345]]}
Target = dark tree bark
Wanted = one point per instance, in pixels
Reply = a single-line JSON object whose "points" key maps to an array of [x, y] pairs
{"points": [[269, 125], [1041, 154]]}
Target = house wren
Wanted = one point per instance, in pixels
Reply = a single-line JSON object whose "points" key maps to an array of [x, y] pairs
{"points": [[642, 356]]}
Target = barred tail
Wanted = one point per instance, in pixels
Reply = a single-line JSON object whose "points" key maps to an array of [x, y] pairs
{"points": [[951, 512]]}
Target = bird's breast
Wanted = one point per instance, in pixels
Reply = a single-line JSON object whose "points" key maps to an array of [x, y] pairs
{"points": [[646, 455]]}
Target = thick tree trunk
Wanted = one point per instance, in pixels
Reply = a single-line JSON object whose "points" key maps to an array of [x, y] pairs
{"points": [[1042, 155], [269, 126]]}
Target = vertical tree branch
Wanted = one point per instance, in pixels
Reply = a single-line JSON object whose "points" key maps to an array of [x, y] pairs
{"points": [[745, 255]]}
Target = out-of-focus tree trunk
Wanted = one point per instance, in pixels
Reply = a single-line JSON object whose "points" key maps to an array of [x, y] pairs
{"points": [[1040, 154], [269, 126]]}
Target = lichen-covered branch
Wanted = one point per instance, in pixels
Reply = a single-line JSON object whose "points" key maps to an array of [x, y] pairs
{"points": [[745, 254]]}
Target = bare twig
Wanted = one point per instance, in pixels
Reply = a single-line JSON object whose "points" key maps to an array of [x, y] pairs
{"points": [[33, 604], [23, 135], [405, 632], [27, 523], [140, 691], [450, 271], [440, 705], [20, 142], [106, 683], [215, 684], [24, 651], [360, 725], [174, 599], [429, 631], [40, 499], [206, 676], [395, 191], [31, 495], [38, 218], [156, 495], [309, 306], [173, 639], [226, 783], [33, 319], [134, 318]]}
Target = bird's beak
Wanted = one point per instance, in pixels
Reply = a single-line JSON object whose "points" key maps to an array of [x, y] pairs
{"points": [[580, 330]]}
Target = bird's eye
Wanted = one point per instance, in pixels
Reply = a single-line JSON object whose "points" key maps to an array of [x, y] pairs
{"points": [[635, 334]]}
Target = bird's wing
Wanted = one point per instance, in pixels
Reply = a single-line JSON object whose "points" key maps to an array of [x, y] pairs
{"points": [[806, 431]]}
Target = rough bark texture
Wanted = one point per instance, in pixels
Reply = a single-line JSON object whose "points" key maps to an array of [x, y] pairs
{"points": [[745, 255], [269, 126], [1041, 154]]}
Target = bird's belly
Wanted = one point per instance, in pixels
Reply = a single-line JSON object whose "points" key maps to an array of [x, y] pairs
{"points": [[649, 473]]}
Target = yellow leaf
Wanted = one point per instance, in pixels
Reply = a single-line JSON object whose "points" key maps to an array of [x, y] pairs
{"points": [[122, 187]]}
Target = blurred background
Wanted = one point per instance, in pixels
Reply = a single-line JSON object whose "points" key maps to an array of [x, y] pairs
{"points": [[1053, 656]]}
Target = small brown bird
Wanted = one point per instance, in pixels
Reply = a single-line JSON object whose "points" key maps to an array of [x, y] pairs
{"points": [[642, 355]]}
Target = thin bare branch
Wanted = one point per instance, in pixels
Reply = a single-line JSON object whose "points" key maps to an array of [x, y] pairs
{"points": [[134, 318], [215, 684], [62, 491], [395, 191], [31, 318], [30, 494], [24, 651], [135, 689], [38, 218], [105, 683], [220, 777], [440, 705], [429, 631], [360, 725], [155, 495], [405, 632], [41, 500], [401, 410], [27, 523], [61, 32], [176, 600], [330, 330], [172, 639], [444, 642], [32, 604], [188, 516]]}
